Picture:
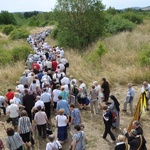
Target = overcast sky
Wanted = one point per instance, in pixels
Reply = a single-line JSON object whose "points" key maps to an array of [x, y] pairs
{"points": [[48, 5]]}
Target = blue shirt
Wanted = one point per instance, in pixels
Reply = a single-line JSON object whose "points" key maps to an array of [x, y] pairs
{"points": [[63, 104], [75, 114]]}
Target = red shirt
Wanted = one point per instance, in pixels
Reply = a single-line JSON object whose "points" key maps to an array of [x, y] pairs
{"points": [[54, 65], [9, 95], [36, 65]]}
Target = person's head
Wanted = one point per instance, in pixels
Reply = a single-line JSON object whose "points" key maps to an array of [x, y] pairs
{"points": [[80, 81], [133, 133], [95, 83], [39, 108], [112, 97], [57, 86], [121, 138], [38, 97], [103, 79], [24, 113], [72, 106], [61, 111], [26, 86], [62, 88], [10, 131], [11, 101], [16, 94], [52, 137], [135, 124], [105, 107], [77, 127], [9, 90], [129, 85], [93, 86], [59, 97], [145, 84]]}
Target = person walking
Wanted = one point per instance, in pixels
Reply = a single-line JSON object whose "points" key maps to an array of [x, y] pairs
{"points": [[40, 119], [107, 118], [105, 90], [129, 99], [93, 99], [114, 107], [62, 121]]}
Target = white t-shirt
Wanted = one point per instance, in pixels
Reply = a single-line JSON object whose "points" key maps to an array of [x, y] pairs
{"points": [[13, 110], [39, 103], [56, 93], [52, 145], [61, 119], [65, 80], [83, 85], [63, 61]]}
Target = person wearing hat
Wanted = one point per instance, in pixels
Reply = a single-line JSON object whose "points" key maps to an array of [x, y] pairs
{"points": [[53, 144], [13, 112]]}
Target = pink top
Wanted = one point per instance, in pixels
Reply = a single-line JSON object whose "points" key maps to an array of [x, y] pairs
{"points": [[40, 118]]}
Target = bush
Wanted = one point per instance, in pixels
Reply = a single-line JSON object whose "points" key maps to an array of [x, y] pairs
{"points": [[133, 17], [7, 29], [5, 57], [115, 24], [144, 55], [20, 33], [21, 53]]}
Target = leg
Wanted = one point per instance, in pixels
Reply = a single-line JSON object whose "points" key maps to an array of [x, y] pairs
{"points": [[91, 105], [44, 131], [96, 106], [110, 133], [47, 109], [125, 105], [39, 130], [105, 132], [131, 107]]}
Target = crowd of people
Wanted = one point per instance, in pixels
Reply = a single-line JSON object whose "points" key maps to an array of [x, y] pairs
{"points": [[44, 89]]}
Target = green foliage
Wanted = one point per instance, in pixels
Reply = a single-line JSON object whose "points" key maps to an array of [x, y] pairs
{"points": [[30, 14], [115, 24], [21, 52], [7, 18], [112, 11], [79, 22], [19, 33], [144, 55], [96, 55], [33, 21], [134, 17], [7, 29], [5, 57]]}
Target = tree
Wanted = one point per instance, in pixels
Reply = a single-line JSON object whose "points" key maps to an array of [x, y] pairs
{"points": [[7, 18], [80, 22]]}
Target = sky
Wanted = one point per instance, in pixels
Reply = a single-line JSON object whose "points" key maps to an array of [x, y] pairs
{"points": [[48, 5]]}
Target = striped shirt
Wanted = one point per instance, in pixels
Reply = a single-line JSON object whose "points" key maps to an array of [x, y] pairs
{"points": [[24, 125], [14, 142]]}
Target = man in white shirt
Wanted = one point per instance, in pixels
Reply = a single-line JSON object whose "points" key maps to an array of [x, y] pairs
{"points": [[13, 111], [56, 92]]}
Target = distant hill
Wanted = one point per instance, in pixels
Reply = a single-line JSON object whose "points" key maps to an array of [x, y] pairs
{"points": [[146, 8]]}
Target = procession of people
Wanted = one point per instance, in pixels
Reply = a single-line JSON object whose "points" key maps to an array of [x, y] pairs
{"points": [[44, 91]]}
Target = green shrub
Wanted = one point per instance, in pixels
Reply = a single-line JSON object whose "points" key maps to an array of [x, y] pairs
{"points": [[21, 53], [7, 29], [5, 57], [134, 17], [20, 33], [115, 24], [144, 55]]}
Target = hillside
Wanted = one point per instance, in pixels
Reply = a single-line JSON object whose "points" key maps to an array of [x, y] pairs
{"points": [[119, 65]]}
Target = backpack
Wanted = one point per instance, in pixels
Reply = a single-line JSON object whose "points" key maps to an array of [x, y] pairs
{"points": [[114, 116], [75, 90]]}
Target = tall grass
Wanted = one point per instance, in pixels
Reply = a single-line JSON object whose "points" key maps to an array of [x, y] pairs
{"points": [[120, 64], [9, 75]]}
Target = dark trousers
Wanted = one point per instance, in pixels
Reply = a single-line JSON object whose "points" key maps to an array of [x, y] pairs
{"points": [[108, 131], [47, 109], [4, 110], [25, 137], [42, 130]]}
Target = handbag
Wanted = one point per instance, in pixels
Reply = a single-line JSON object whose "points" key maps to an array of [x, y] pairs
{"points": [[87, 101], [49, 131], [31, 139]]}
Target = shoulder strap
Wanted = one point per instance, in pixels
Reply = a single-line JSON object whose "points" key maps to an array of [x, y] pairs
{"points": [[141, 141]]}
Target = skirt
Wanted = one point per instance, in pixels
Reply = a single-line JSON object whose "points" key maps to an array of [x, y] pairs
{"points": [[62, 133]]}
